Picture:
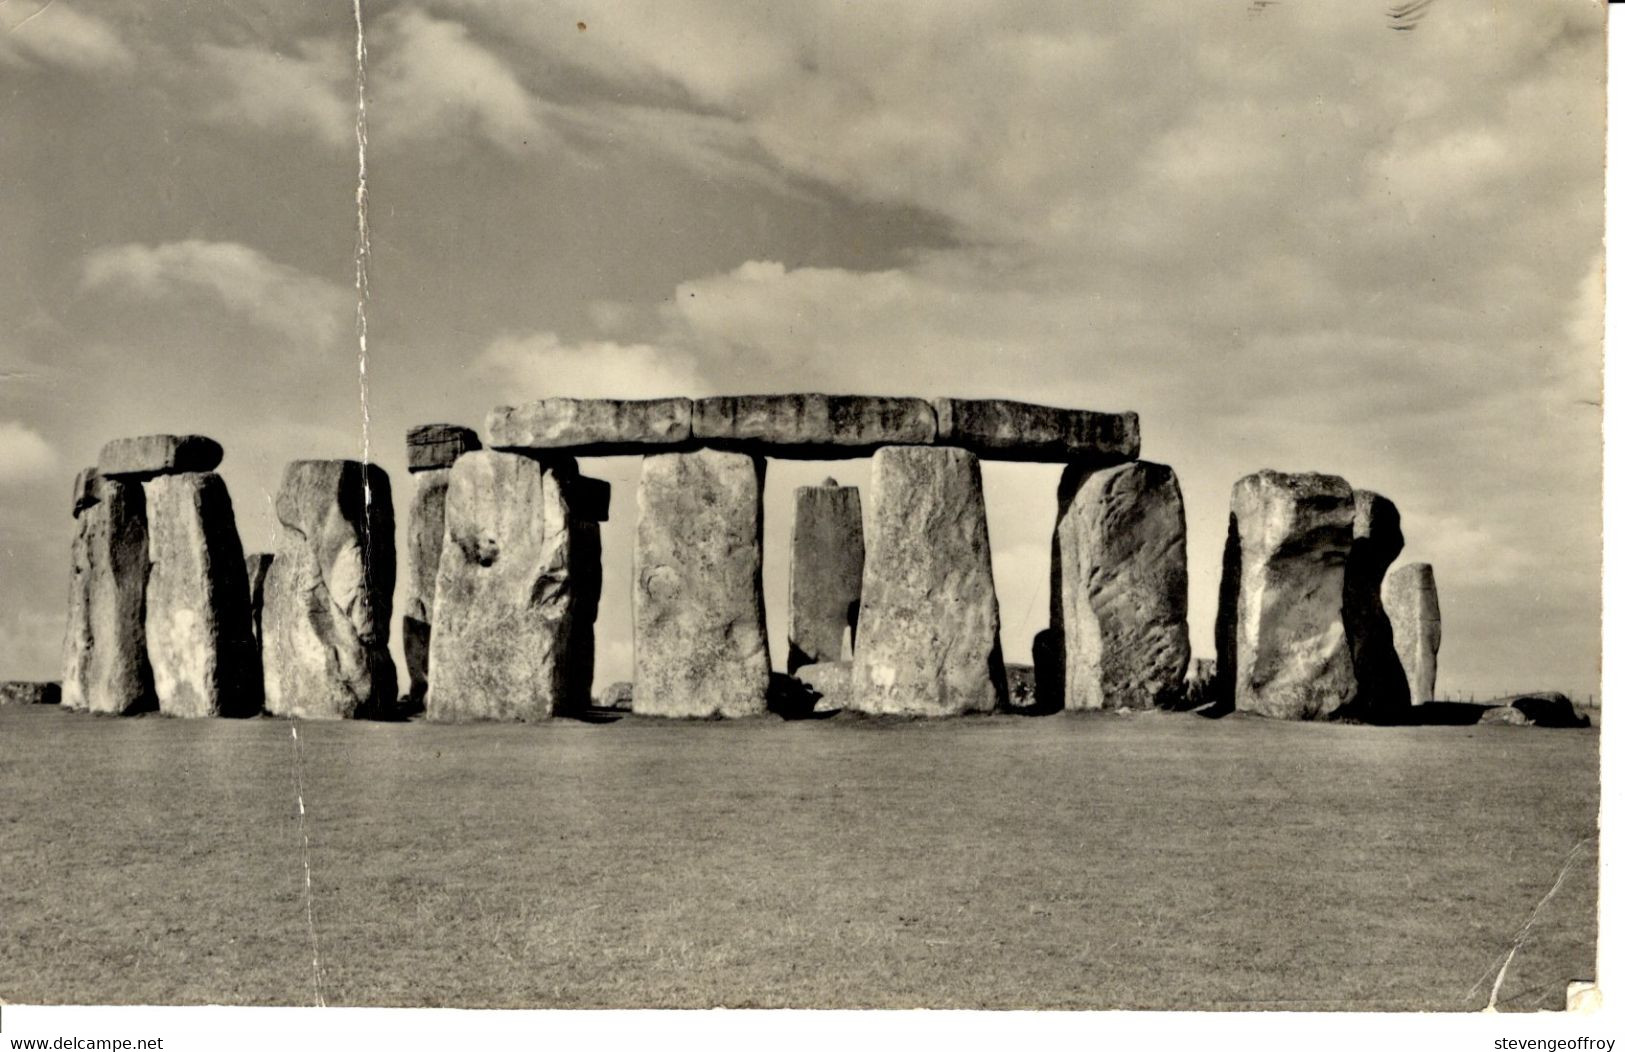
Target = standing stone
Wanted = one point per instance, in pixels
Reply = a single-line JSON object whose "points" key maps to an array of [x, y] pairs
{"points": [[1380, 678], [700, 633], [1411, 599], [431, 447], [826, 573], [328, 593], [259, 564], [1289, 652], [200, 633], [588, 499], [105, 663], [425, 530], [928, 623], [504, 600], [1123, 587], [1049, 667]]}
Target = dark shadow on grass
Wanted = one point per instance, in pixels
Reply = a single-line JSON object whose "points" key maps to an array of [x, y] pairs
{"points": [[790, 699]]}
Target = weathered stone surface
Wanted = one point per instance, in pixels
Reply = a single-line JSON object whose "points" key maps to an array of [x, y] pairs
{"points": [[1411, 600], [30, 692], [1123, 586], [826, 573], [105, 663], [830, 682], [591, 425], [504, 601], [928, 623], [200, 633], [700, 635], [617, 696], [1504, 716], [326, 617], [1289, 652], [258, 565], [1381, 690], [430, 447], [84, 490], [825, 426], [148, 455], [425, 530], [1198, 684], [1547, 709], [996, 429]]}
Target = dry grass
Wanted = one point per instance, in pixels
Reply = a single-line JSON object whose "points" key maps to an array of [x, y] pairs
{"points": [[1155, 861]]}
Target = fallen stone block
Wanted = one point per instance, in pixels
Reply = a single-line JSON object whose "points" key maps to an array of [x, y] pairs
{"points": [[995, 429], [1504, 716], [830, 683], [616, 697], [29, 692], [928, 623], [504, 598], [200, 632], [1290, 651], [1411, 600], [106, 668], [699, 624], [826, 573], [1123, 586], [817, 425], [434, 446], [147, 456], [325, 627], [589, 426]]}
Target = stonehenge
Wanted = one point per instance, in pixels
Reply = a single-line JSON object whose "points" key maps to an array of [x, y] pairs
{"points": [[928, 621], [826, 573], [30, 692], [504, 601], [892, 606], [1412, 602], [325, 622], [699, 622], [1118, 571]]}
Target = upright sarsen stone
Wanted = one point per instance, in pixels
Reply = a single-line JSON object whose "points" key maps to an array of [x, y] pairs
{"points": [[826, 573], [1411, 599], [504, 599], [928, 622], [200, 634], [1289, 652], [105, 664], [325, 624], [1123, 587], [699, 624], [425, 530], [259, 564], [1381, 690]]}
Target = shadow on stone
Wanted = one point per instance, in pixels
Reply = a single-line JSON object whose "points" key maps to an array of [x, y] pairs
{"points": [[791, 699]]}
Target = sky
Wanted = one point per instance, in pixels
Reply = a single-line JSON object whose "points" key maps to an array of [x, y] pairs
{"points": [[1288, 235]]}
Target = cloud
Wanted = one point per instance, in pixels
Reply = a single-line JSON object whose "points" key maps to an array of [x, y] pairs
{"points": [[308, 91], [542, 364], [25, 456], [309, 311], [53, 34]]}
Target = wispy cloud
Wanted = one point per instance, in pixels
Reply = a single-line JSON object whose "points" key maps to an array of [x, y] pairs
{"points": [[56, 35], [25, 455]]}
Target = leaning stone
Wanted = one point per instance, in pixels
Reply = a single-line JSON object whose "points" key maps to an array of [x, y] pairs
{"points": [[819, 425], [1411, 600], [826, 573], [1382, 693], [1002, 430], [84, 490], [928, 624], [200, 633], [27, 692], [591, 425], [698, 619], [259, 564], [1123, 587], [425, 530], [433, 446], [504, 600], [1290, 652], [328, 594], [830, 682], [106, 668], [151, 455]]}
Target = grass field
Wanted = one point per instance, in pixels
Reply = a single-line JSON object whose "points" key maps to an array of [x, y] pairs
{"points": [[1149, 861]]}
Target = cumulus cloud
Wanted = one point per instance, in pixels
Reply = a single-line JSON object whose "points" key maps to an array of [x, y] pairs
{"points": [[56, 35], [307, 91], [25, 455], [541, 365], [307, 310]]}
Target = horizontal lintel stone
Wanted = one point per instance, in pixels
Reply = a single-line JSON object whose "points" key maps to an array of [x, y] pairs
{"points": [[813, 424], [147, 456], [591, 426], [996, 429], [431, 446]]}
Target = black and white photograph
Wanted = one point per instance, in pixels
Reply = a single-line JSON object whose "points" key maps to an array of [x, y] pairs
{"points": [[1019, 506]]}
